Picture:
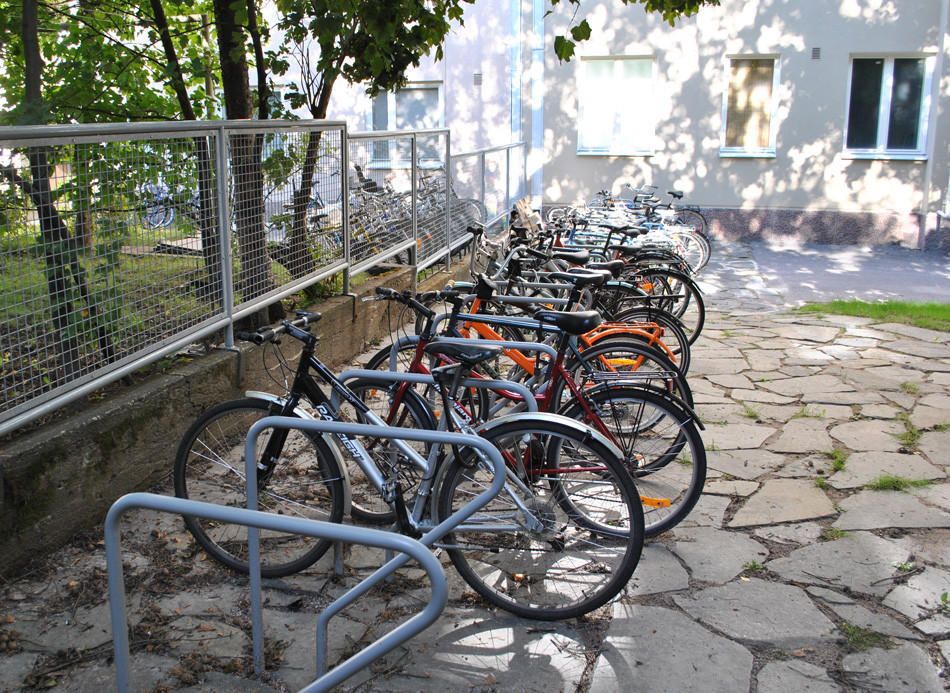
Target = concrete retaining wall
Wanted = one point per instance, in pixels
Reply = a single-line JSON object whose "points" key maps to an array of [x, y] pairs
{"points": [[61, 478]]}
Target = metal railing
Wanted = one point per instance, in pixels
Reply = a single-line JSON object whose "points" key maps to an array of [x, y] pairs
{"points": [[123, 244], [405, 547]]}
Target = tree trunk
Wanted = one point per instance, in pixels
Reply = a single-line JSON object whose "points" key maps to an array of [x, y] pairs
{"points": [[246, 151], [211, 287]]}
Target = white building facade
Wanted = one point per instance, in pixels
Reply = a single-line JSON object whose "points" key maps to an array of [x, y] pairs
{"points": [[821, 121]]}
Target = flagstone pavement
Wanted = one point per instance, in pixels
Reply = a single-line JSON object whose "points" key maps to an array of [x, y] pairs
{"points": [[793, 573]]}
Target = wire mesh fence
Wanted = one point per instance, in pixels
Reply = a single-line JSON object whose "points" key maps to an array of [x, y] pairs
{"points": [[122, 244]]}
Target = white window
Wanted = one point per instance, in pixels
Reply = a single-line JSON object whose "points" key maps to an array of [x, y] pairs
{"points": [[749, 104], [417, 106], [414, 107], [616, 111], [888, 107]]}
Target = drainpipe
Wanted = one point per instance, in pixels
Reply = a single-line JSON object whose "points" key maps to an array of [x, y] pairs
{"points": [[536, 156], [932, 125], [515, 70]]}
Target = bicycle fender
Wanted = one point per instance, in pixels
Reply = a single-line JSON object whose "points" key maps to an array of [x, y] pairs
{"points": [[583, 430], [332, 444]]}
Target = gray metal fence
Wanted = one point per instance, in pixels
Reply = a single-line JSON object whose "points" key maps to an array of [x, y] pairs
{"points": [[122, 244]]}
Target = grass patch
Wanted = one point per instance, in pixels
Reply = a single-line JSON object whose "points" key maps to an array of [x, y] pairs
{"points": [[822, 483], [832, 533], [807, 413], [909, 388], [750, 412], [891, 482], [862, 638], [911, 435], [838, 458], [932, 316]]}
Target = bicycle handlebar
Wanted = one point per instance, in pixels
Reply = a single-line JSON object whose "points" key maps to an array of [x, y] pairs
{"points": [[268, 334]]}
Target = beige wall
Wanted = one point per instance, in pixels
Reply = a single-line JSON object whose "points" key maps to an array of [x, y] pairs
{"points": [[809, 171]]}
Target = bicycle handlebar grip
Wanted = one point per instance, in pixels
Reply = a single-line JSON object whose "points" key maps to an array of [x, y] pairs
{"points": [[387, 292], [265, 334]]}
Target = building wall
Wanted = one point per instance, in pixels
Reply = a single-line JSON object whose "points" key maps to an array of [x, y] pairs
{"points": [[478, 115], [809, 183]]}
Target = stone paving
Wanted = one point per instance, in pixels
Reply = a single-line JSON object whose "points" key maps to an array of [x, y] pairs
{"points": [[818, 558]]}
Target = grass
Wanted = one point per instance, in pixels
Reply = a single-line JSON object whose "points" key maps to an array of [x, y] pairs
{"points": [[750, 412], [806, 413], [911, 435], [932, 316], [820, 482], [891, 482], [862, 638], [838, 458], [832, 533]]}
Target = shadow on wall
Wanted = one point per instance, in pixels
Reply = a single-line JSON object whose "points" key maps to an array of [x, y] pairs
{"points": [[831, 227]]}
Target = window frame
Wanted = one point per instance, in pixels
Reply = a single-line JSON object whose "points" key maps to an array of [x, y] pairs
{"points": [[391, 103], [881, 152], [768, 151], [614, 149]]}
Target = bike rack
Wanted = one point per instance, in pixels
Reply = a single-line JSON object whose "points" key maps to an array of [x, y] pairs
{"points": [[423, 379], [405, 548]]}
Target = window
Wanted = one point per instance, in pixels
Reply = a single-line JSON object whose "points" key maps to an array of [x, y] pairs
{"points": [[414, 107], [888, 107], [749, 105], [616, 113]]}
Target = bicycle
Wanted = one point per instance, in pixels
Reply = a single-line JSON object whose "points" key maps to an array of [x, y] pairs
{"points": [[656, 431], [565, 497]]}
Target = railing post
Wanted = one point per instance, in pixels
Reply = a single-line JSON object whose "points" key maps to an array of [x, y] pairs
{"points": [[448, 202], [345, 205], [414, 201], [224, 233]]}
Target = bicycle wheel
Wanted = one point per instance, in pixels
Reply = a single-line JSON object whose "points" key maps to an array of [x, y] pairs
{"points": [[366, 501], [158, 216], [662, 449], [693, 219], [674, 336], [692, 246], [307, 482], [529, 552], [675, 293], [628, 361]]}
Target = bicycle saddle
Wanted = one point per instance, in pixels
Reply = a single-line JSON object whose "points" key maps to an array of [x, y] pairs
{"points": [[467, 354], [572, 323], [580, 278], [575, 257], [615, 267]]}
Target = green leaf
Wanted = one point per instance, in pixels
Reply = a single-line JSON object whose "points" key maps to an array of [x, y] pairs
{"points": [[581, 32], [563, 48]]}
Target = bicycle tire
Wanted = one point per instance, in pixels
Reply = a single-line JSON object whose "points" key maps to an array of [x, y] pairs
{"points": [[366, 502], [157, 216], [209, 466], [674, 336], [627, 358], [692, 218], [582, 554], [675, 293], [665, 456]]}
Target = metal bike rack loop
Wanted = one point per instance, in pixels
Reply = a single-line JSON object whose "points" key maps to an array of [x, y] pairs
{"points": [[405, 547]]}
